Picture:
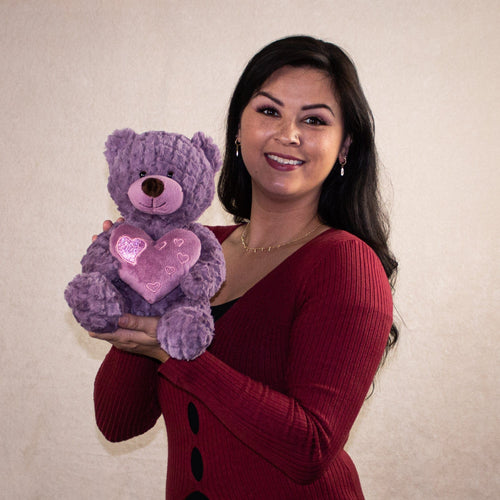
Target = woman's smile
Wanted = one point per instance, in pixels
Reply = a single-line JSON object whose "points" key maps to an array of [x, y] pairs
{"points": [[283, 162]]}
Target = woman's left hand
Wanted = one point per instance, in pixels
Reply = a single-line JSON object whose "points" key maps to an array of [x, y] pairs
{"points": [[137, 334]]}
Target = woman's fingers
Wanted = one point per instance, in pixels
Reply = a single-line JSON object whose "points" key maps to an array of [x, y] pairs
{"points": [[131, 328], [139, 323], [107, 225], [135, 341], [109, 337]]}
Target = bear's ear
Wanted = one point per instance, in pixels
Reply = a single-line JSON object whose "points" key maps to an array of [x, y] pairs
{"points": [[209, 148], [118, 141]]}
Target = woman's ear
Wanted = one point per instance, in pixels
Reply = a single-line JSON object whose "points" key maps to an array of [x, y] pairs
{"points": [[344, 150]]}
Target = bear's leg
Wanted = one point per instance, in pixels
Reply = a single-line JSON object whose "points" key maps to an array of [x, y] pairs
{"points": [[186, 330], [95, 302]]}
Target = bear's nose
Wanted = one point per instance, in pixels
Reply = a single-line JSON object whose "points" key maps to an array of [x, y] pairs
{"points": [[153, 187]]}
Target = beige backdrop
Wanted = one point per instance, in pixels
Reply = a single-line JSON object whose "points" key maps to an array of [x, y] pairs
{"points": [[73, 71]]}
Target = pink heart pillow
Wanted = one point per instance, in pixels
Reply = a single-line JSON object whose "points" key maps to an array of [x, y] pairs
{"points": [[153, 268]]}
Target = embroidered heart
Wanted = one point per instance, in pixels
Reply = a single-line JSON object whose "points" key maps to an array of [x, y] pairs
{"points": [[183, 258], [153, 268], [154, 287]]}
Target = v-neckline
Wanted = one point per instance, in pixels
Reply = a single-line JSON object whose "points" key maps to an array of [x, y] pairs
{"points": [[279, 266]]}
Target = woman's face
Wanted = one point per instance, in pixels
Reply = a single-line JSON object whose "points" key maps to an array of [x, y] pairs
{"points": [[291, 134]]}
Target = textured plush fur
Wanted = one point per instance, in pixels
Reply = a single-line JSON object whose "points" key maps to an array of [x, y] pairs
{"points": [[167, 161]]}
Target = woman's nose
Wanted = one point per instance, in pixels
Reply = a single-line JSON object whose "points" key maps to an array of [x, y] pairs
{"points": [[288, 133]]}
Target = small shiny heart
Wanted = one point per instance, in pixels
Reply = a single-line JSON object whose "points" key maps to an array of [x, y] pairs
{"points": [[130, 248]]}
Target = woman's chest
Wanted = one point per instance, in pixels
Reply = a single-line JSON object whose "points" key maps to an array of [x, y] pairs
{"points": [[253, 336], [244, 270]]}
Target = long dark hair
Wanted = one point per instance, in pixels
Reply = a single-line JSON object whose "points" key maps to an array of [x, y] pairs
{"points": [[350, 202]]}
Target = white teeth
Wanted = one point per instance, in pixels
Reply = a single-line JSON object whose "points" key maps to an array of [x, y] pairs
{"points": [[284, 161]]}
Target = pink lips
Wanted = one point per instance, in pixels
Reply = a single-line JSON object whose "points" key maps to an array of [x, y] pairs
{"points": [[283, 162]]}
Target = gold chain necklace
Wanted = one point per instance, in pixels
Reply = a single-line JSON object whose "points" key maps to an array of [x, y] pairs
{"points": [[244, 233]]}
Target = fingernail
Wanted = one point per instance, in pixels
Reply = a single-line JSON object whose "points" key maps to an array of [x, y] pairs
{"points": [[123, 321]]}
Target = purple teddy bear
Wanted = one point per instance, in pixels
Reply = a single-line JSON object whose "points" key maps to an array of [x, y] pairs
{"points": [[159, 262]]}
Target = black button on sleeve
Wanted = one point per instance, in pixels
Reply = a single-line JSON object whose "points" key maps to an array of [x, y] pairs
{"points": [[194, 419], [196, 464], [196, 495]]}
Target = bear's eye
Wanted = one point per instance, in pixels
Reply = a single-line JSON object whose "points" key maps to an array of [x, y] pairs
{"points": [[170, 174], [143, 174]]}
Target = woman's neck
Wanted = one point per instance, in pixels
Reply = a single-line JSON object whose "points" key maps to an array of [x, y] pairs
{"points": [[279, 226]]}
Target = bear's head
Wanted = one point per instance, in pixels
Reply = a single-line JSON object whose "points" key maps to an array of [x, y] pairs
{"points": [[160, 178]]}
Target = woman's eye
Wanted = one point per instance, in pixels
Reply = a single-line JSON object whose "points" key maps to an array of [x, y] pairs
{"points": [[268, 111], [314, 120]]}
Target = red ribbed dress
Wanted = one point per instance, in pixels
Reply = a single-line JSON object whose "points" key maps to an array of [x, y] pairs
{"points": [[266, 411]]}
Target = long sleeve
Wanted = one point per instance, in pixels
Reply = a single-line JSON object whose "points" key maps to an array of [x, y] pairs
{"points": [[125, 395], [334, 326]]}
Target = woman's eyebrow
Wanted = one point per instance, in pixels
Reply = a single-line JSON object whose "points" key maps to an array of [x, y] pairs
{"points": [[304, 108], [269, 96], [314, 106]]}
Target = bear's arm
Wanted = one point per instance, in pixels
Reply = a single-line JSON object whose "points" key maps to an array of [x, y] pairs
{"points": [[208, 274], [99, 259]]}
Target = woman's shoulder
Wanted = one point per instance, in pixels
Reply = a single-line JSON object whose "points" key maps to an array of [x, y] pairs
{"points": [[341, 249], [335, 239], [339, 260]]}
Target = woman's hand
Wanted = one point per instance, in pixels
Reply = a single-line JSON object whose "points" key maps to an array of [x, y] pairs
{"points": [[137, 334], [106, 226]]}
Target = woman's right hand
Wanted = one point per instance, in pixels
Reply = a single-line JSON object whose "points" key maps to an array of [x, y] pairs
{"points": [[106, 226], [137, 335]]}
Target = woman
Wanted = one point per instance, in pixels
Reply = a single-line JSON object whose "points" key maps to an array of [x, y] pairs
{"points": [[305, 314]]}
